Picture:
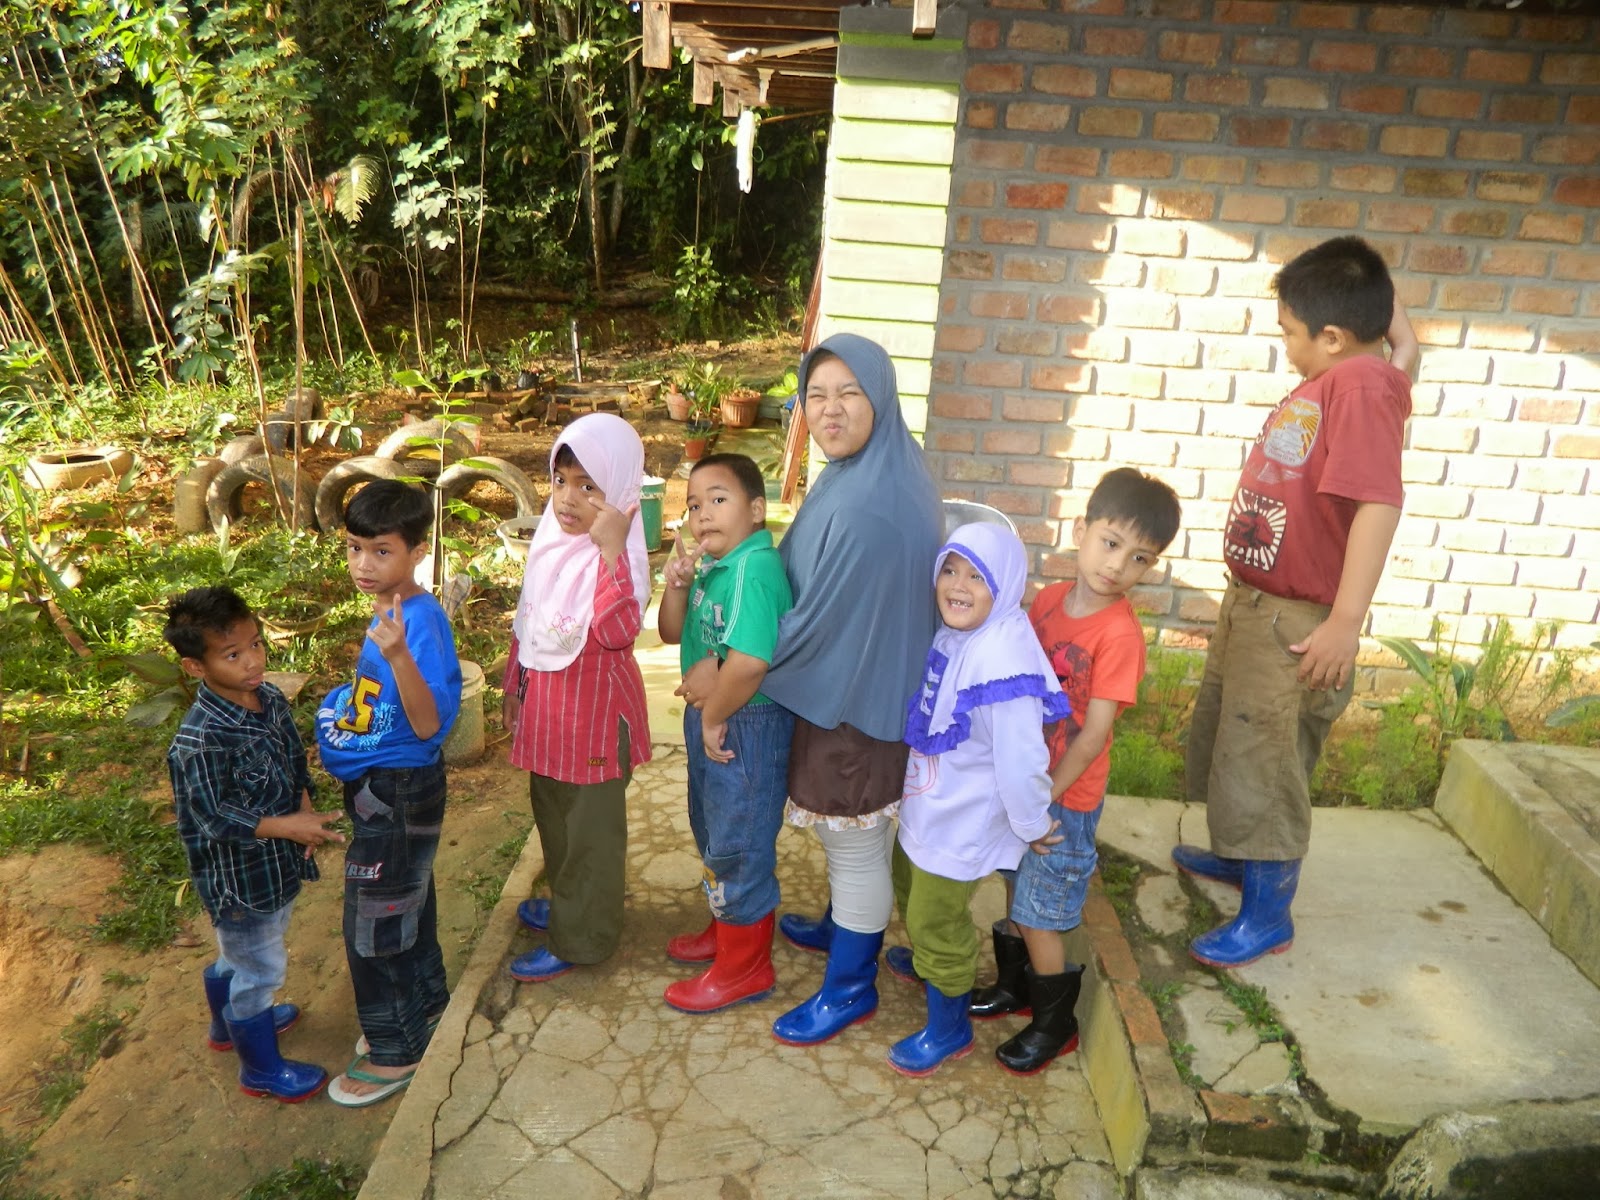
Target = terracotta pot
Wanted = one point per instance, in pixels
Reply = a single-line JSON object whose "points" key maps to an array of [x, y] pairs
{"points": [[739, 408], [695, 448], [677, 405]]}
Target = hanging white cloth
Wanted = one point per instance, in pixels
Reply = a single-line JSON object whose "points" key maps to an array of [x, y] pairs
{"points": [[744, 145]]}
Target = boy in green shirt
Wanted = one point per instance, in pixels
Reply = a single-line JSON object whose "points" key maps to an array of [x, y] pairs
{"points": [[725, 601]]}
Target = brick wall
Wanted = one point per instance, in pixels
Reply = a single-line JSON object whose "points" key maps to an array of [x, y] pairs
{"points": [[1127, 178]]}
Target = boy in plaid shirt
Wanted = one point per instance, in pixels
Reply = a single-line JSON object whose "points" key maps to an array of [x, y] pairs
{"points": [[243, 796]]}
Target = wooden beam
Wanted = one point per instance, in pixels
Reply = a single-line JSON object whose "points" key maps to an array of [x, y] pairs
{"points": [[658, 33], [703, 88], [750, 53], [924, 16]]}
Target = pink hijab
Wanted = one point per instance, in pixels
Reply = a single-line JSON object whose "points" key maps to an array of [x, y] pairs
{"points": [[557, 602]]}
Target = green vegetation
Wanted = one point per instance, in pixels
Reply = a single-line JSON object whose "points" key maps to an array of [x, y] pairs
{"points": [[486, 886], [1146, 746], [1119, 876], [90, 1037], [1164, 996], [308, 1180], [225, 193], [1397, 759], [1251, 1000]]}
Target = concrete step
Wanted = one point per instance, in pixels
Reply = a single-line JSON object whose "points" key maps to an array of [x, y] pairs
{"points": [[1532, 815]]}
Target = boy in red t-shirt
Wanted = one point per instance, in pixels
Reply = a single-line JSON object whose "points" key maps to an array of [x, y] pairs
{"points": [[1306, 541], [1095, 644]]}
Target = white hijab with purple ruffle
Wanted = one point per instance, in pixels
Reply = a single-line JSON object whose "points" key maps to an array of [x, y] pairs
{"points": [[1000, 660]]}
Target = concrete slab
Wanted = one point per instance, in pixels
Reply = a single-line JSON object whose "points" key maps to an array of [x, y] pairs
{"points": [[1415, 985], [589, 1085], [1532, 814]]}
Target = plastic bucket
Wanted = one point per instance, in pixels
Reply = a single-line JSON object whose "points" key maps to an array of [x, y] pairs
{"points": [[652, 496], [464, 742]]}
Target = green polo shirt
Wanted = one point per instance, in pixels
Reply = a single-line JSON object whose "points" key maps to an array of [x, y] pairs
{"points": [[735, 604]]}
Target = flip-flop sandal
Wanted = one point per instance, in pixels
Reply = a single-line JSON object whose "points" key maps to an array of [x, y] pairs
{"points": [[340, 1096], [363, 1048]]}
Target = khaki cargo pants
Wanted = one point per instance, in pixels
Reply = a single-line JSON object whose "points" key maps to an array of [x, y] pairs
{"points": [[1257, 730]]}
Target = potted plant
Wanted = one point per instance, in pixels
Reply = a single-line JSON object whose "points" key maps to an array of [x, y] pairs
{"points": [[677, 401], [739, 407]]}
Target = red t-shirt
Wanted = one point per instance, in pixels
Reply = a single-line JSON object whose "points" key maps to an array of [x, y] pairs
{"points": [[1095, 658], [1333, 443]]}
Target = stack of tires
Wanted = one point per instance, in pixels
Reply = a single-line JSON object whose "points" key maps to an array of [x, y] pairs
{"points": [[437, 452]]}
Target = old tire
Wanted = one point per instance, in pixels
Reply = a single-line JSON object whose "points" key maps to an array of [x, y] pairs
{"points": [[304, 404], [246, 446], [225, 496], [458, 479], [336, 484], [282, 430], [76, 467], [457, 437]]}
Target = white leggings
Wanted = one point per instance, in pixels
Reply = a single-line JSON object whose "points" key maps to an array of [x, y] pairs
{"points": [[858, 875]]}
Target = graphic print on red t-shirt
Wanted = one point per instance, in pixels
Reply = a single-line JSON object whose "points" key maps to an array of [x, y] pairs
{"points": [[1255, 529], [1072, 665]]}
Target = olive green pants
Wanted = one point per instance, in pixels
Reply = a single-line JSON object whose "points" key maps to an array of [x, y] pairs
{"points": [[583, 828], [944, 940]]}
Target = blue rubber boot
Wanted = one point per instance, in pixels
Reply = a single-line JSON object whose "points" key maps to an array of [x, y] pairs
{"points": [[217, 1037], [849, 992], [948, 1034], [538, 965], [535, 915], [898, 960], [265, 1072], [815, 936], [1262, 926], [1208, 865]]}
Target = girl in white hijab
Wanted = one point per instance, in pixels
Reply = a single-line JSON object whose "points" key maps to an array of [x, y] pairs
{"points": [[574, 698]]}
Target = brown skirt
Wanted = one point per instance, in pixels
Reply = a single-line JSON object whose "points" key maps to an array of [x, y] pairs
{"points": [[842, 772]]}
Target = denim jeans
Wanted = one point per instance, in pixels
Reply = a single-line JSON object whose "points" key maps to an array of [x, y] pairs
{"points": [[1051, 888], [391, 937], [736, 809], [250, 944]]}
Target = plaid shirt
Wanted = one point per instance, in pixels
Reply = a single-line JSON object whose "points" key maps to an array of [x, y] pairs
{"points": [[230, 767]]}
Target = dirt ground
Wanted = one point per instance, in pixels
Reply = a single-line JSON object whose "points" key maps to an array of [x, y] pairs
{"points": [[160, 1114]]}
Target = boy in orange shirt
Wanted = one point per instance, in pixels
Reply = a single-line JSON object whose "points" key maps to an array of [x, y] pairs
{"points": [[1095, 644]]}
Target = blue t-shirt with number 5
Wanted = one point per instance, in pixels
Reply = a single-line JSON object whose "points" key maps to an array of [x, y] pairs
{"points": [[362, 725]]}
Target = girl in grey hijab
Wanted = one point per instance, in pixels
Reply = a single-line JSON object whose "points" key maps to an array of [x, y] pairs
{"points": [[849, 656]]}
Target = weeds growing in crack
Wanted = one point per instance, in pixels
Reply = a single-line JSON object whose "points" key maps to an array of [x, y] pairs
{"points": [[1164, 996]]}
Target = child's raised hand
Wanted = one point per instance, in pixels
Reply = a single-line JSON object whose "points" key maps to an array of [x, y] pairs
{"points": [[681, 566], [712, 736], [610, 528], [389, 634], [1051, 838]]}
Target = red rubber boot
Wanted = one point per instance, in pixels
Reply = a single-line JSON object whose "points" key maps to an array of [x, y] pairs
{"points": [[741, 972], [694, 947]]}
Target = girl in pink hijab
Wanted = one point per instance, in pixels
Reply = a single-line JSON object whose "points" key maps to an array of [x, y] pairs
{"points": [[574, 698]]}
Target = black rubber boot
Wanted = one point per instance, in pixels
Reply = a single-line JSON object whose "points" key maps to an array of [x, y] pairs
{"points": [[1009, 991], [1054, 1028]]}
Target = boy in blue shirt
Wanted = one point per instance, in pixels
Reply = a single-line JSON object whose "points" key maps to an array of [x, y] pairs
{"points": [[738, 741], [381, 736], [243, 795]]}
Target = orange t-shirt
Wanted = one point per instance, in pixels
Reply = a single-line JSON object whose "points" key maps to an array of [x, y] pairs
{"points": [[1095, 658]]}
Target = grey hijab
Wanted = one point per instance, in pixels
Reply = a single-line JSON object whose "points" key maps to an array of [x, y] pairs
{"points": [[858, 555]]}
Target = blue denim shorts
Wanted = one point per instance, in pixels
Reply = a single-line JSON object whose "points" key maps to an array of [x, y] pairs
{"points": [[1050, 888]]}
